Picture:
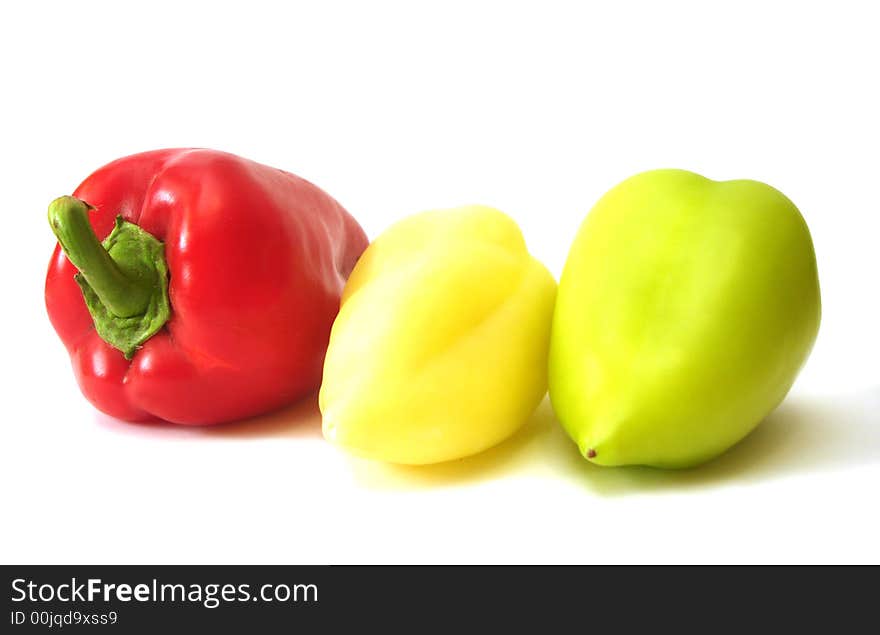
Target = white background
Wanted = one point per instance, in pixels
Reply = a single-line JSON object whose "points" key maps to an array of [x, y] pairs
{"points": [[535, 108]]}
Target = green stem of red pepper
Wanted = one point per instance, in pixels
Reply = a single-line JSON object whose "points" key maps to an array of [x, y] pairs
{"points": [[124, 295], [124, 280]]}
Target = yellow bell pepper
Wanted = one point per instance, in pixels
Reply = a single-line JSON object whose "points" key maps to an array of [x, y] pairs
{"points": [[440, 347]]}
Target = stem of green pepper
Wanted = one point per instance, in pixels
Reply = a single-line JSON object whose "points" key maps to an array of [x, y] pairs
{"points": [[123, 294]]}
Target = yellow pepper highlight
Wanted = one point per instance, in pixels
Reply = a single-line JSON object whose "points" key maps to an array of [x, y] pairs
{"points": [[440, 347]]}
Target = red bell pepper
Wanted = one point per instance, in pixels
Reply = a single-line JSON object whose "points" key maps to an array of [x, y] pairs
{"points": [[213, 293]]}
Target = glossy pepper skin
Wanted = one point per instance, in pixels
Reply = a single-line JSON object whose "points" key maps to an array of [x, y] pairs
{"points": [[440, 348], [686, 309], [256, 261]]}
